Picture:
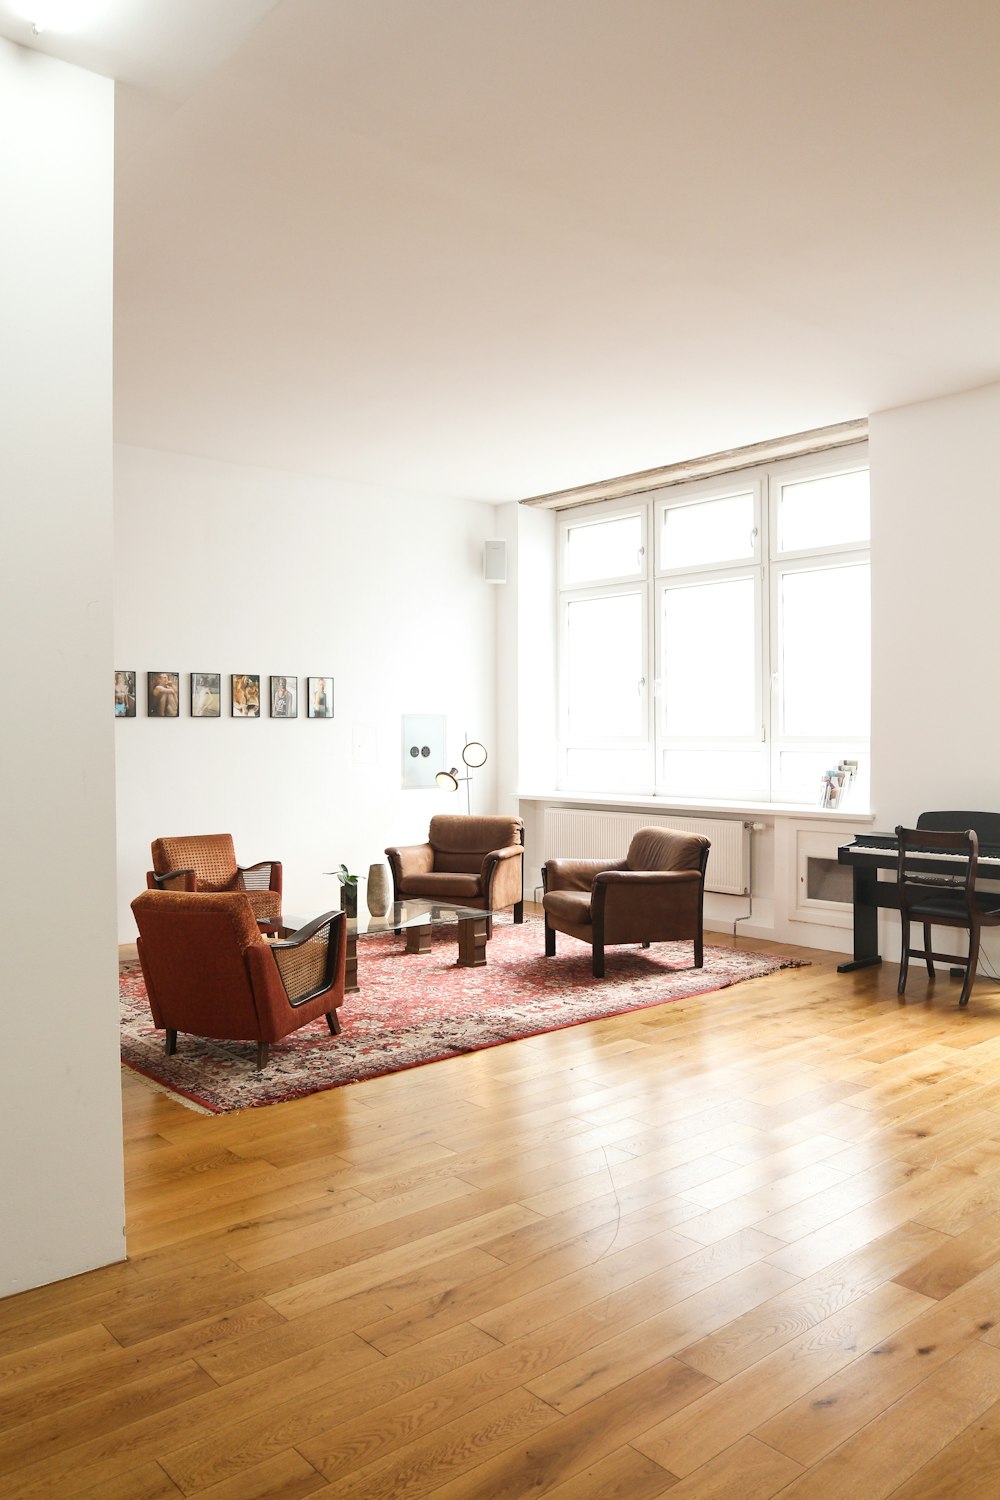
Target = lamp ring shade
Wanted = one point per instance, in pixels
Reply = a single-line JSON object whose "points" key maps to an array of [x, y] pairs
{"points": [[474, 754]]}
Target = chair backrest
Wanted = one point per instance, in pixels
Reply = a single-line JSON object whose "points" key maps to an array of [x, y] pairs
{"points": [[193, 951], [459, 841], [667, 849], [920, 880], [210, 855]]}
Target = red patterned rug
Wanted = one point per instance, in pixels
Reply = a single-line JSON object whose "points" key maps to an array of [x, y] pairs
{"points": [[421, 1008]]}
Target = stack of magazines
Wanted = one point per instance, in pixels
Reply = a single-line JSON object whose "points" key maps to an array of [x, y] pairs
{"points": [[835, 784]]}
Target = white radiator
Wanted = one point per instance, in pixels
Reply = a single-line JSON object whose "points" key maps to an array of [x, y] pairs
{"points": [[573, 833]]}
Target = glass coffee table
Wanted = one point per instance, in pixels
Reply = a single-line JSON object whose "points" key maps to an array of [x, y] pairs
{"points": [[416, 921]]}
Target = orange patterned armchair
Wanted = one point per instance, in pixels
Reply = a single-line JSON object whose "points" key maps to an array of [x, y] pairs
{"points": [[209, 970], [206, 862]]}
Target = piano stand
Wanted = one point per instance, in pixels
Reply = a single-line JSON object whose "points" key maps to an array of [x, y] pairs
{"points": [[868, 893]]}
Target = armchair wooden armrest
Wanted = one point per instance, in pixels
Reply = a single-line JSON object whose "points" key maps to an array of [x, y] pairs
{"points": [[265, 875], [168, 881], [308, 962]]}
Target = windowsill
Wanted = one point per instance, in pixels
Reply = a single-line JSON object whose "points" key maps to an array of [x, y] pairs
{"points": [[799, 810]]}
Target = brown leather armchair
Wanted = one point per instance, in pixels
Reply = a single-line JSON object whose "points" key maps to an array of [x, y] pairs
{"points": [[654, 895], [466, 861], [207, 862], [210, 971]]}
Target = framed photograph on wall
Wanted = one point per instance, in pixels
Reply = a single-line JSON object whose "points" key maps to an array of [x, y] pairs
{"points": [[320, 697], [163, 695], [246, 695], [284, 697], [206, 695], [124, 695]]}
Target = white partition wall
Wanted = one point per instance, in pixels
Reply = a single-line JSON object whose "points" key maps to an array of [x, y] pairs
{"points": [[60, 1103], [935, 472], [226, 568]]}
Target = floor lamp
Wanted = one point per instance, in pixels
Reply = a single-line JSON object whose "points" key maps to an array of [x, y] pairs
{"points": [[473, 756]]}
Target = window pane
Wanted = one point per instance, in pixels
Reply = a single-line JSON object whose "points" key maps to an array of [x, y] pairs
{"points": [[621, 770], [604, 549], [712, 531], [709, 660], [824, 512], [825, 652], [604, 668], [714, 773]]}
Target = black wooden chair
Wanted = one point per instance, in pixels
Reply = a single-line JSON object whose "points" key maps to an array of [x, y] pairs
{"points": [[941, 893]]}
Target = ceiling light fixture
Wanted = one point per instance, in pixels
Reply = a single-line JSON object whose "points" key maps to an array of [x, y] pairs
{"points": [[60, 15]]}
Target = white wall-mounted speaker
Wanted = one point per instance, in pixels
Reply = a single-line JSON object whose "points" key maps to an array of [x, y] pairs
{"points": [[495, 561]]}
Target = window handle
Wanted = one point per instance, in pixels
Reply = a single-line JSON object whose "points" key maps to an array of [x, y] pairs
{"points": [[640, 685], [640, 553]]}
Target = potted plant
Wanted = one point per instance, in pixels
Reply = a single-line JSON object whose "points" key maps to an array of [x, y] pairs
{"points": [[349, 890]]}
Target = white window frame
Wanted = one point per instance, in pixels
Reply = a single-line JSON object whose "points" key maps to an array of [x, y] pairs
{"points": [[766, 567], [613, 585]]}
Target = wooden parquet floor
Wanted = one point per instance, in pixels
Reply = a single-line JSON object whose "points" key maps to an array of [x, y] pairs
{"points": [[739, 1246]]}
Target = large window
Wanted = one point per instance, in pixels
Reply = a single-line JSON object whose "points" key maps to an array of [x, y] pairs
{"points": [[731, 658]]}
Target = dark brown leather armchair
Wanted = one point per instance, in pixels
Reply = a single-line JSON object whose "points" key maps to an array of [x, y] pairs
{"points": [[210, 971], [466, 861], [207, 862], [655, 894]]}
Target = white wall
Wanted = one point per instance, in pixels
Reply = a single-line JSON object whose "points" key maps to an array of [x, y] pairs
{"points": [[935, 548], [60, 1103], [935, 555], [228, 569]]}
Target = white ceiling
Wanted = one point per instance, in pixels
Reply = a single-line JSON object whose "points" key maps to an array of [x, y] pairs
{"points": [[491, 248]]}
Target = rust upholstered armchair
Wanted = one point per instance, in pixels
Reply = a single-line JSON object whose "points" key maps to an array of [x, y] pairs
{"points": [[654, 895], [207, 862], [210, 971], [466, 861]]}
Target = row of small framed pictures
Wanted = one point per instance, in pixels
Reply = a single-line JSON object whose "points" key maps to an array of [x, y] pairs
{"points": [[163, 696]]}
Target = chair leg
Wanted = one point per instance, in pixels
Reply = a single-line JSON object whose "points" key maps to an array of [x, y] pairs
{"points": [[262, 1051], [970, 973], [699, 952], [518, 912], [904, 956], [597, 961], [928, 945], [646, 943], [170, 1044], [333, 1021], [550, 941]]}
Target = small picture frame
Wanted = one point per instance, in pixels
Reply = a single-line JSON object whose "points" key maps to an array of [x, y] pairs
{"points": [[206, 695], [246, 695], [124, 695], [163, 695], [320, 697], [284, 697]]}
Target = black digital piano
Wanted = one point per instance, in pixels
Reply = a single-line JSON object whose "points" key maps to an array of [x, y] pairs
{"points": [[871, 853]]}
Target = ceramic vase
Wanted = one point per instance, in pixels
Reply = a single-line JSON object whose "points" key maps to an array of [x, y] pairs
{"points": [[379, 890]]}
